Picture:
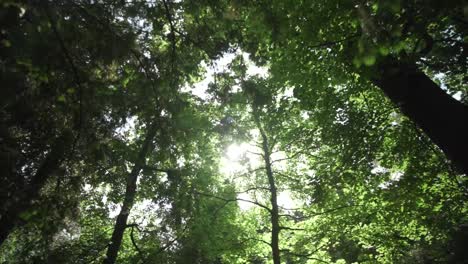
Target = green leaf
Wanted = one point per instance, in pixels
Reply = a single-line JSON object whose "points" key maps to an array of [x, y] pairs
{"points": [[61, 98], [384, 50], [369, 60], [27, 215]]}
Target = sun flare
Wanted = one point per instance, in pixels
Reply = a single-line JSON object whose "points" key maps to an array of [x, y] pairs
{"points": [[235, 152]]}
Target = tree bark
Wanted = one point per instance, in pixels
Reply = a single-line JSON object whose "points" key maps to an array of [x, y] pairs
{"points": [[130, 191], [442, 118], [274, 213], [22, 200]]}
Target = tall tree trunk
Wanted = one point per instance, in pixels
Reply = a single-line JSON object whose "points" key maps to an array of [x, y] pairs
{"points": [[442, 118], [23, 199], [274, 213], [130, 191]]}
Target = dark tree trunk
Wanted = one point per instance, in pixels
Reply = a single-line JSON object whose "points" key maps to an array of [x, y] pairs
{"points": [[22, 200], [442, 118], [274, 213], [130, 191], [275, 228]]}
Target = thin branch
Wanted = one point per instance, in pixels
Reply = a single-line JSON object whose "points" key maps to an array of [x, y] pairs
{"points": [[290, 209], [215, 214], [255, 153], [136, 54], [332, 210], [132, 238], [235, 200], [306, 256], [74, 70], [288, 177], [248, 172], [294, 140], [253, 189], [294, 155], [171, 35], [291, 228], [172, 241], [296, 218], [260, 240], [93, 260], [155, 169]]}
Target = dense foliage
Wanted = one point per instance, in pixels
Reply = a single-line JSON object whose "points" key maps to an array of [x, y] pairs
{"points": [[164, 131]]}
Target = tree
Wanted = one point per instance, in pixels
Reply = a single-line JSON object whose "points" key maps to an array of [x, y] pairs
{"points": [[174, 75], [334, 171], [119, 118], [388, 43], [49, 84]]}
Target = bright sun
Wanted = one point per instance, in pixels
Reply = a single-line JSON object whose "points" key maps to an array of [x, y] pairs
{"points": [[234, 152], [232, 164]]}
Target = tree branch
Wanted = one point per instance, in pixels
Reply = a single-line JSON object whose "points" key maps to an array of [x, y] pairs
{"points": [[235, 200], [171, 35], [132, 238], [74, 70], [291, 228]]}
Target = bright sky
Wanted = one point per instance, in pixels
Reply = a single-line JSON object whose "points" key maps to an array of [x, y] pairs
{"points": [[233, 165], [441, 78]]}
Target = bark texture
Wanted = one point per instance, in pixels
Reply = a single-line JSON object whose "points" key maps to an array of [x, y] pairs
{"points": [[442, 118]]}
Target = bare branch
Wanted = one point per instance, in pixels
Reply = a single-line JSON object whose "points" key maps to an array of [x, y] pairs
{"points": [[253, 189], [290, 209], [291, 228], [260, 240], [235, 200], [255, 153]]}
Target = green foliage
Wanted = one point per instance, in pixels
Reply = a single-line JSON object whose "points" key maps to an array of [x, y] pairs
{"points": [[89, 78]]}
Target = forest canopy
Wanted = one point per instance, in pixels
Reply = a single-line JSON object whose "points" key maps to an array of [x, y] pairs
{"points": [[229, 132]]}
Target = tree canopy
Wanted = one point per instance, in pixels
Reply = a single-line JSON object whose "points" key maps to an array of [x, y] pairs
{"points": [[219, 132]]}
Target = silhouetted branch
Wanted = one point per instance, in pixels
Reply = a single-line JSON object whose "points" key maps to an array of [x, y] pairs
{"points": [[332, 210], [171, 35], [132, 238], [235, 200], [253, 189], [74, 70], [291, 228]]}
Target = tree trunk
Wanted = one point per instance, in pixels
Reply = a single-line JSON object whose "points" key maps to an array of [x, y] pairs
{"points": [[22, 200], [130, 191], [442, 118], [274, 213]]}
